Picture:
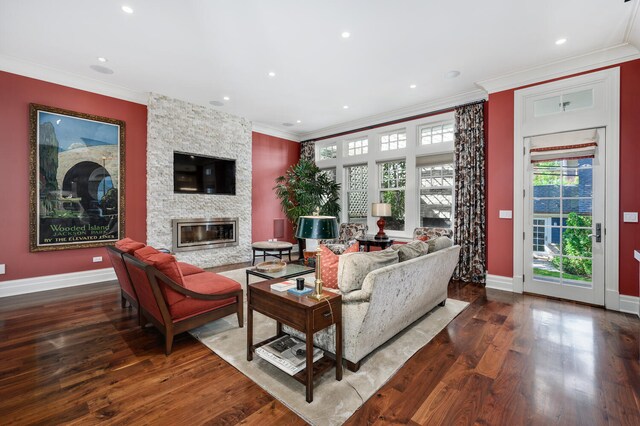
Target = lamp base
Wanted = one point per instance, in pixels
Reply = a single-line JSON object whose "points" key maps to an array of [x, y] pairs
{"points": [[380, 235], [317, 291]]}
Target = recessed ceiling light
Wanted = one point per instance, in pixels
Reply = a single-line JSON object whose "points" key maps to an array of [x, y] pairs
{"points": [[272, 74], [101, 69], [127, 9], [216, 103], [561, 41], [346, 34], [298, 121], [226, 98], [452, 74], [345, 107], [102, 59], [413, 86]]}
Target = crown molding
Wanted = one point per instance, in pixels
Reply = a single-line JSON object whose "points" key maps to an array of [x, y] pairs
{"points": [[273, 131], [30, 69], [417, 109], [574, 65]]}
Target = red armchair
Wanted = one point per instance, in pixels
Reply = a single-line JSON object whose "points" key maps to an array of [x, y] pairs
{"points": [[174, 308], [127, 293]]}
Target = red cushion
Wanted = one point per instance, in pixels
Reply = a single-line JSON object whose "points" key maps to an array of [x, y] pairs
{"points": [[423, 238], [128, 245], [206, 283], [166, 264], [329, 264], [144, 253], [188, 269]]}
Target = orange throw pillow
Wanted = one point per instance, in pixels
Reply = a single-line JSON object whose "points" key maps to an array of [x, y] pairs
{"points": [[423, 238], [329, 264], [144, 253], [128, 245]]}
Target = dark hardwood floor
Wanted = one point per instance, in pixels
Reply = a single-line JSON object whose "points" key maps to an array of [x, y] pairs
{"points": [[73, 356]]}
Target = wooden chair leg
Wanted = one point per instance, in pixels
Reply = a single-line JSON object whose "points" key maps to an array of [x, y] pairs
{"points": [[123, 301], [239, 313], [168, 342]]}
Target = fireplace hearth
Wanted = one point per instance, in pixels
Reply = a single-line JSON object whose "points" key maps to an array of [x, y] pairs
{"points": [[207, 233]]}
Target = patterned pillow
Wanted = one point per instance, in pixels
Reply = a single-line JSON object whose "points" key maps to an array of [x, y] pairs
{"points": [[329, 264], [354, 267]]}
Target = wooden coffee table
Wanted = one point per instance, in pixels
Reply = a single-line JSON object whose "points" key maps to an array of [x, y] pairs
{"points": [[303, 314]]}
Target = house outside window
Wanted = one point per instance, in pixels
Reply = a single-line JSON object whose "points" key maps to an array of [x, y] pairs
{"points": [[436, 195], [393, 180], [357, 197]]}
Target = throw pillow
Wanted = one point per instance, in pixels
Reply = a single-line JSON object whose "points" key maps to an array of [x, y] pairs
{"points": [[354, 267], [411, 250], [144, 253], [423, 238], [128, 245], [439, 243], [329, 264]]}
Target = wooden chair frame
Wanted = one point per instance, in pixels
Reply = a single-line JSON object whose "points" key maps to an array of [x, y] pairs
{"points": [[170, 328], [124, 296]]}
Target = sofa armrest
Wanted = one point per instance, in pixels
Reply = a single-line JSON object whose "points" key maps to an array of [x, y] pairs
{"points": [[356, 296]]}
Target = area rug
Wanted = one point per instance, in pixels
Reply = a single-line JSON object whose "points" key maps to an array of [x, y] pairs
{"points": [[333, 402]]}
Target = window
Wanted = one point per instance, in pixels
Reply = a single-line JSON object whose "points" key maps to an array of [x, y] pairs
{"points": [[393, 141], [436, 134], [393, 179], [357, 199], [436, 195], [538, 234], [327, 152], [357, 147]]}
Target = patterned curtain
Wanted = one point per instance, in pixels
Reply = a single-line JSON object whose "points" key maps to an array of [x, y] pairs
{"points": [[307, 151], [470, 220]]}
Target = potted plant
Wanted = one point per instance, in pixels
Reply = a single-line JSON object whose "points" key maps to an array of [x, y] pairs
{"points": [[303, 189]]}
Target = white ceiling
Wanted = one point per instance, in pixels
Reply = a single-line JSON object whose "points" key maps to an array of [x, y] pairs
{"points": [[200, 51]]}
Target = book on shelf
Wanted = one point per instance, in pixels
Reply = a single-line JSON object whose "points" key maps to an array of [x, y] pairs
{"points": [[288, 354]]}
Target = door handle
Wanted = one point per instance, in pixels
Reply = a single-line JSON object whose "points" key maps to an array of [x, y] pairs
{"points": [[598, 233]]}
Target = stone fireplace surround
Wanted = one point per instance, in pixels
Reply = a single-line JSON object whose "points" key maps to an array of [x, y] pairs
{"points": [[174, 125]]}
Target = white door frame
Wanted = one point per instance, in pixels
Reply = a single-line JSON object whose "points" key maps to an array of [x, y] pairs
{"points": [[606, 113]]}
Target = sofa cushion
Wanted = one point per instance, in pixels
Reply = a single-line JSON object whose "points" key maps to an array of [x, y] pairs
{"points": [[354, 267], [206, 283], [329, 264], [189, 269], [144, 253], [410, 250], [439, 243], [166, 264], [128, 245]]}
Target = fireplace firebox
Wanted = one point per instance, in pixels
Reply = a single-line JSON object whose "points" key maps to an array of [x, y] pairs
{"points": [[200, 234]]}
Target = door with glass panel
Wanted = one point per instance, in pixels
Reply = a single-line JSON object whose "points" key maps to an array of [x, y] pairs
{"points": [[564, 234]]}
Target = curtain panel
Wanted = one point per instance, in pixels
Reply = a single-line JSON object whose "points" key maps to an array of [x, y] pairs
{"points": [[470, 220], [308, 151]]}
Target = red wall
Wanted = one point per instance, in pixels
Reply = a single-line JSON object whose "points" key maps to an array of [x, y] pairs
{"points": [[500, 178], [17, 93], [272, 156]]}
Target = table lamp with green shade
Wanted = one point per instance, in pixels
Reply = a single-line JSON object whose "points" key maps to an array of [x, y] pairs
{"points": [[317, 228]]}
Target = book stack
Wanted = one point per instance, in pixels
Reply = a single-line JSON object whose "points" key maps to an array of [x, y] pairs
{"points": [[288, 354]]}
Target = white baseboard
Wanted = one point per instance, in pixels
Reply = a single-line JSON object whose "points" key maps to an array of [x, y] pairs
{"points": [[52, 282], [630, 304], [498, 282]]}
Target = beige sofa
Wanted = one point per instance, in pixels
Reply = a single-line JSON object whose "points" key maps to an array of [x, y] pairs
{"points": [[390, 299]]}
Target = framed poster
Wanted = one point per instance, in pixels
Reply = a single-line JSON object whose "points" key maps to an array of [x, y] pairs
{"points": [[77, 179]]}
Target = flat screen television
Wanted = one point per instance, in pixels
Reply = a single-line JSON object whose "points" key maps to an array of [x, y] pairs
{"points": [[199, 174]]}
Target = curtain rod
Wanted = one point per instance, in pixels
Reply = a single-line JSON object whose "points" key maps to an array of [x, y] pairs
{"points": [[399, 120]]}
